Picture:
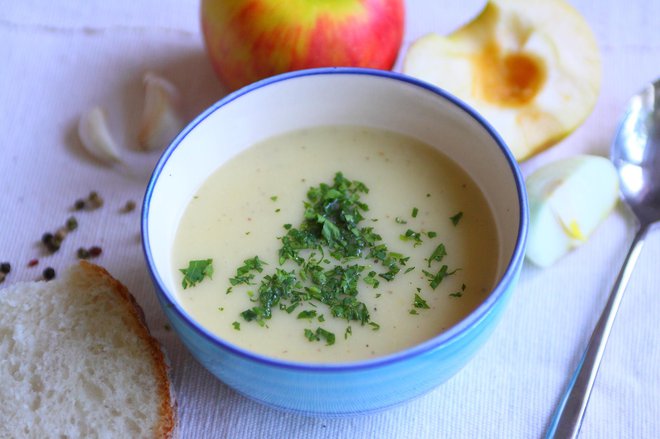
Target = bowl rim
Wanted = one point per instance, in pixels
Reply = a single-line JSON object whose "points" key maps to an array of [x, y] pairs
{"points": [[445, 337]]}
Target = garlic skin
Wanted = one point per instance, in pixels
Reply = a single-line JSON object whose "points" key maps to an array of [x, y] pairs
{"points": [[95, 136], [161, 116]]}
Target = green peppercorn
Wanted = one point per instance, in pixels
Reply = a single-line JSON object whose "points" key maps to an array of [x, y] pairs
{"points": [[72, 223], [83, 253]]}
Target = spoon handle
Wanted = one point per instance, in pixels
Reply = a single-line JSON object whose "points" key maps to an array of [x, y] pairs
{"points": [[567, 419]]}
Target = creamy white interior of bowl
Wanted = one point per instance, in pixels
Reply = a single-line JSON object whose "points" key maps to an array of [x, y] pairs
{"points": [[329, 99]]}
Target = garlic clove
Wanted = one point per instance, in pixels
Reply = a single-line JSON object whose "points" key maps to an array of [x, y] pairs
{"points": [[161, 118], [95, 136], [568, 199]]}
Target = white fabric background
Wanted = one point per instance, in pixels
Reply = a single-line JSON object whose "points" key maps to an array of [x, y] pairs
{"points": [[59, 58]]}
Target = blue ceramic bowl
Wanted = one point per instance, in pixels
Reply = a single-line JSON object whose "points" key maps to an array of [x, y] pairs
{"points": [[336, 96]]}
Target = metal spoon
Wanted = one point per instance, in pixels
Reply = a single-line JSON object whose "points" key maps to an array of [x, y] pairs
{"points": [[636, 155]]}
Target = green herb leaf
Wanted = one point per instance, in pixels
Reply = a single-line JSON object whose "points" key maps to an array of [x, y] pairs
{"points": [[244, 274], [311, 335], [458, 293], [419, 302], [414, 212], [374, 326], [319, 334], [436, 278], [411, 235], [237, 326], [307, 314], [328, 336], [439, 253], [456, 218], [196, 272]]}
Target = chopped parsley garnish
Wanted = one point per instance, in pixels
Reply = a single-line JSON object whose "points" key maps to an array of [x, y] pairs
{"points": [[419, 302], [237, 326], [307, 314], [435, 279], [370, 279], [456, 218], [244, 274], [196, 272], [437, 255], [319, 334], [349, 331], [458, 293], [411, 235], [331, 220], [325, 258]]}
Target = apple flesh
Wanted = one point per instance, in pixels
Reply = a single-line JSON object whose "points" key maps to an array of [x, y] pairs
{"points": [[248, 40], [568, 198], [531, 68]]}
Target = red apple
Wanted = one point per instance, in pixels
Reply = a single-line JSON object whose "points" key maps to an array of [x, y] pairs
{"points": [[248, 40]]}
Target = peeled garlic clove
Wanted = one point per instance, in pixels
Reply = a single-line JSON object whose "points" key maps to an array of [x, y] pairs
{"points": [[161, 119], [95, 136], [567, 200]]}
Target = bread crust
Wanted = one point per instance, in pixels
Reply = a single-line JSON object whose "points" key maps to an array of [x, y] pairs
{"points": [[166, 427]]}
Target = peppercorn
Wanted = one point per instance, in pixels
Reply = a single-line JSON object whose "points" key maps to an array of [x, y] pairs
{"points": [[49, 273], [47, 238], [129, 206], [79, 204], [51, 242], [95, 200], [5, 267], [83, 253], [60, 234], [95, 251], [71, 223], [33, 262]]}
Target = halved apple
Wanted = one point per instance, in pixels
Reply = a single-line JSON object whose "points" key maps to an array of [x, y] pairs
{"points": [[531, 67]]}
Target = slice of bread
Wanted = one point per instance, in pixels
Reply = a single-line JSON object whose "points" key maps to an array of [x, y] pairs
{"points": [[77, 360]]}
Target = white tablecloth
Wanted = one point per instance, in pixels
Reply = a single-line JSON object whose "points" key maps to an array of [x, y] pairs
{"points": [[59, 58]]}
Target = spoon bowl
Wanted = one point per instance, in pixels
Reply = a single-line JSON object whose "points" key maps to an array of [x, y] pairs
{"points": [[636, 155]]}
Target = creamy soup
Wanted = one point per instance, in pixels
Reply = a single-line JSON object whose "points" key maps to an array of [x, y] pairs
{"points": [[428, 213]]}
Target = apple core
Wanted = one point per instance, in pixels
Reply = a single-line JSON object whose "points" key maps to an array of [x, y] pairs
{"points": [[510, 80]]}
